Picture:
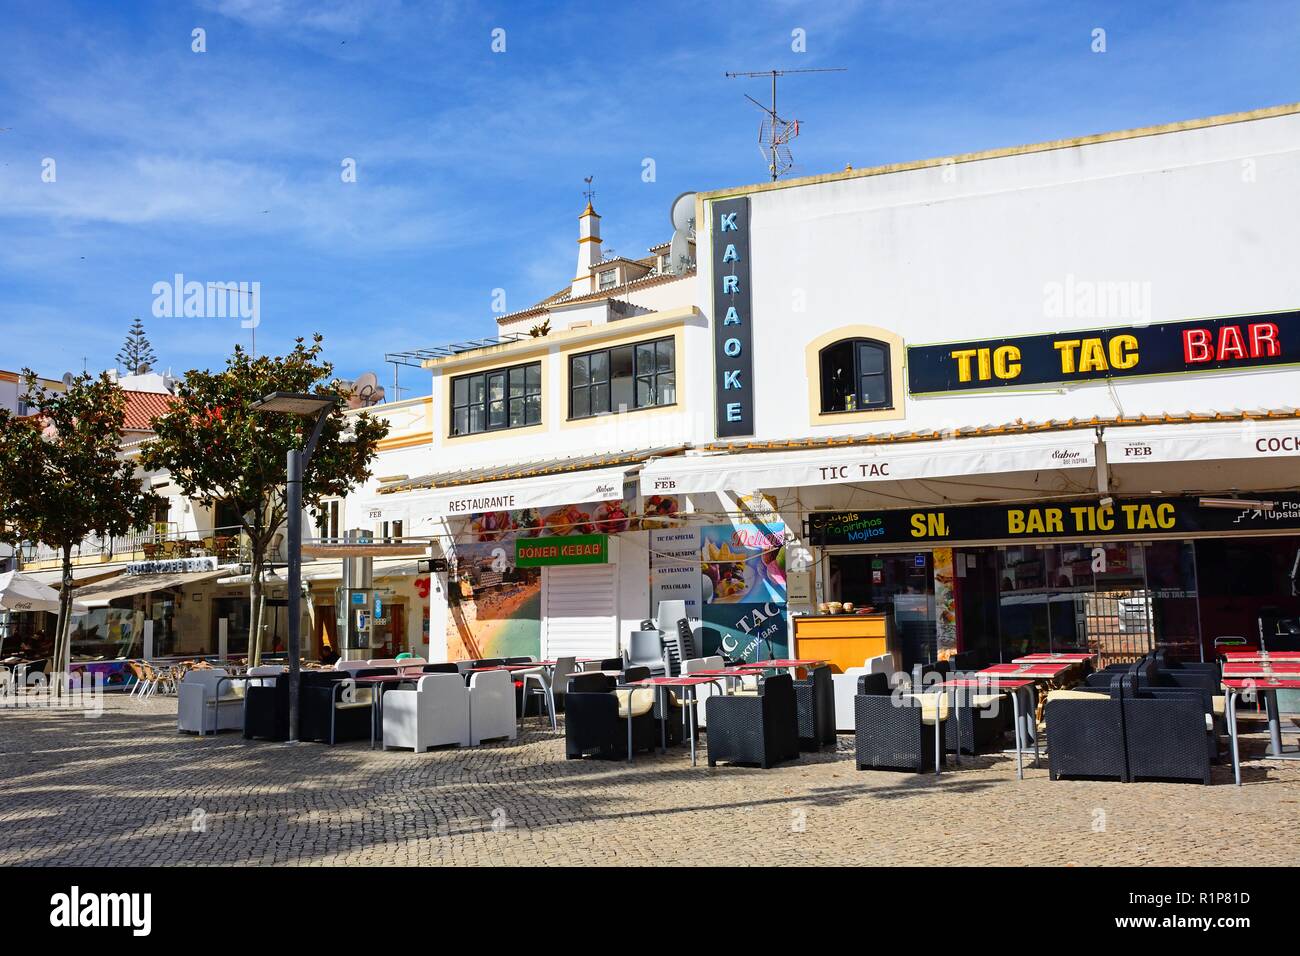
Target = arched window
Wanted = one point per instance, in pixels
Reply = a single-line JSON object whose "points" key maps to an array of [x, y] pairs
{"points": [[855, 376]]}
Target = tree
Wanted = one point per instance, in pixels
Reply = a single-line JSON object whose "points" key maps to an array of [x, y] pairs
{"points": [[137, 354], [63, 478], [217, 450]]}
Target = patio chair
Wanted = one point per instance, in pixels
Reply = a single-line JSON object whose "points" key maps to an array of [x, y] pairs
{"points": [[645, 649], [845, 686], [266, 711], [762, 729], [1085, 732], [815, 703], [1169, 733], [491, 706], [595, 722], [208, 700], [703, 691], [434, 714], [980, 722], [445, 667], [333, 708], [896, 734]]}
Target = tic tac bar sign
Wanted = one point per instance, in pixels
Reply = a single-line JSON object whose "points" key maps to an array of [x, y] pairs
{"points": [[1087, 519], [1171, 348], [566, 549], [733, 327]]}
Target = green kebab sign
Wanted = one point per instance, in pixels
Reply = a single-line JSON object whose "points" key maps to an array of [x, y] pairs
{"points": [[568, 549]]}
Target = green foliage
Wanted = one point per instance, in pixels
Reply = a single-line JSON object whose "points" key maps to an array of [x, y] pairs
{"points": [[137, 355]]}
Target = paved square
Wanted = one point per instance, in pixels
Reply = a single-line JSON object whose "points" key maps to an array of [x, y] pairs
{"points": [[125, 788]]}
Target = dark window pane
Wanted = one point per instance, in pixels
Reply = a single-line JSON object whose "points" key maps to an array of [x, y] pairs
{"points": [[645, 358], [497, 386], [621, 394], [460, 421], [496, 414], [620, 362], [645, 392], [476, 422], [872, 359], [599, 399], [874, 390], [516, 412], [476, 388], [599, 362], [532, 409], [516, 381], [667, 389], [459, 391], [664, 353], [837, 376], [534, 377], [581, 403], [578, 370]]}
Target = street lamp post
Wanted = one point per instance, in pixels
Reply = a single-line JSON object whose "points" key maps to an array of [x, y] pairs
{"points": [[304, 406]]}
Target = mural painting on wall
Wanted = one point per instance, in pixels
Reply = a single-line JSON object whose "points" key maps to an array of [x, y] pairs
{"points": [[744, 590]]}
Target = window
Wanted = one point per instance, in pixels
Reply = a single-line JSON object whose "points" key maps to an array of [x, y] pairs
{"points": [[327, 520], [855, 376], [503, 398], [624, 377], [607, 279], [390, 532]]}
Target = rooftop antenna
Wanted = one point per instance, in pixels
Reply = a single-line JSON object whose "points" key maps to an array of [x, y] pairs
{"points": [[775, 133]]}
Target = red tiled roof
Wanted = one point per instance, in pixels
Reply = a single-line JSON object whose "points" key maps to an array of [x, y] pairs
{"points": [[143, 407]]}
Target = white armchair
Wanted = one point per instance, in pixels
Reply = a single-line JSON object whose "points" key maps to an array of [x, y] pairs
{"points": [[434, 714], [704, 690], [491, 706], [209, 700], [846, 687]]}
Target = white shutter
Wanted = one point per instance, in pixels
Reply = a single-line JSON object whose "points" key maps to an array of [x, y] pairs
{"points": [[580, 611]]}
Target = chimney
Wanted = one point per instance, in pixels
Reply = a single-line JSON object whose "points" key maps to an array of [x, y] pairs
{"points": [[588, 250]]}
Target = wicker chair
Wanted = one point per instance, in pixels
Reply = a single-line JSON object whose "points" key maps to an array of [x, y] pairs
{"points": [[1169, 733], [815, 701], [889, 736], [595, 723], [980, 723], [1085, 731], [762, 729]]}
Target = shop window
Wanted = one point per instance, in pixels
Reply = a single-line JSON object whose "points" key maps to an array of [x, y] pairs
{"points": [[502, 398], [622, 378], [855, 376]]}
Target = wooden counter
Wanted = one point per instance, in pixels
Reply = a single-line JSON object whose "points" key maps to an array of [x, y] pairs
{"points": [[844, 640]]}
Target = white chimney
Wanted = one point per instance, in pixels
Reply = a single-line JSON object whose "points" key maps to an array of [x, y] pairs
{"points": [[588, 250]]}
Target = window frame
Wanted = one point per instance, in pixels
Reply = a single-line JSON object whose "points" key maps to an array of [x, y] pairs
{"points": [[857, 342], [653, 378], [491, 379]]}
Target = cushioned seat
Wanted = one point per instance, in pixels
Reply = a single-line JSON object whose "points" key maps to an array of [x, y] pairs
{"points": [[635, 702]]}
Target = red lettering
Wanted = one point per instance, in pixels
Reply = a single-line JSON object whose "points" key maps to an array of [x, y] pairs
{"points": [[1196, 346], [1231, 345], [1264, 340]]}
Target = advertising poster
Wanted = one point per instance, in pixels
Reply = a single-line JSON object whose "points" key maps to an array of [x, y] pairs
{"points": [[744, 590], [945, 600], [675, 569]]}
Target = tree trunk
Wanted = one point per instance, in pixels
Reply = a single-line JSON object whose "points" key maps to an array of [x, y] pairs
{"points": [[59, 666], [255, 615]]}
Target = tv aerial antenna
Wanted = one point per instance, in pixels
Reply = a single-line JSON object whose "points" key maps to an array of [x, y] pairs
{"points": [[775, 133]]}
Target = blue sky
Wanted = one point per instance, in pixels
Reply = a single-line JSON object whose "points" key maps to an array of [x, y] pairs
{"points": [[225, 165]]}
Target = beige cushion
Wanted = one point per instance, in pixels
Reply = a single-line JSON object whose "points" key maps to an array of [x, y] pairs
{"points": [[1077, 695], [931, 704], [1219, 703], [640, 700]]}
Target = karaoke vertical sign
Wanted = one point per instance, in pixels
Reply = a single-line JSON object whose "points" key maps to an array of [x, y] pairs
{"points": [[733, 325]]}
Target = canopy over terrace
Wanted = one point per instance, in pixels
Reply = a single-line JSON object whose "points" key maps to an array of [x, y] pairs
{"points": [[540, 484], [1229, 451]]}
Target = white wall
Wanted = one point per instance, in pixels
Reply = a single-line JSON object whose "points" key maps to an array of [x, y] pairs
{"points": [[1208, 220]]}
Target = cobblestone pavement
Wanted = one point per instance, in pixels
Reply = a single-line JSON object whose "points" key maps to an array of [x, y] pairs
{"points": [[126, 788]]}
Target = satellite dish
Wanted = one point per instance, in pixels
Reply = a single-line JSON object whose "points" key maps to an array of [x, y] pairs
{"points": [[683, 213], [683, 219], [366, 391], [67, 379]]}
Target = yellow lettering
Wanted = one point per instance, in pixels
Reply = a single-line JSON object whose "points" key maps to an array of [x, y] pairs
{"points": [[1066, 347], [918, 526], [1015, 521], [1165, 516], [986, 372], [1123, 351], [1092, 358], [1106, 518], [1006, 362], [962, 358], [1054, 516]]}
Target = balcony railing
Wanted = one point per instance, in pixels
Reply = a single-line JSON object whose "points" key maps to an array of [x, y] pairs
{"points": [[229, 545]]}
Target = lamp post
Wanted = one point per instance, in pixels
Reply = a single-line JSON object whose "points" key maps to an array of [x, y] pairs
{"points": [[304, 406]]}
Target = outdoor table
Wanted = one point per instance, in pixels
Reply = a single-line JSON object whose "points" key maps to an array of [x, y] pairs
{"points": [[1234, 688], [1050, 658], [998, 684], [1259, 657], [1046, 671], [688, 683], [377, 697]]}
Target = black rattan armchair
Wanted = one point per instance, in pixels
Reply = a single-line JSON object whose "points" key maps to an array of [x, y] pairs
{"points": [[266, 710], [592, 725], [815, 700], [1086, 736], [891, 734], [762, 729]]}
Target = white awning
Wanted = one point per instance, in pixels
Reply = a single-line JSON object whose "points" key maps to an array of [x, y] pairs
{"points": [[857, 464], [603, 484], [1216, 441], [101, 593]]}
